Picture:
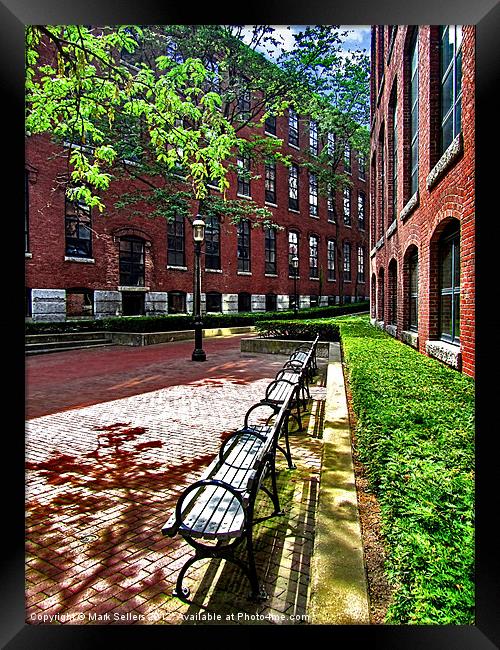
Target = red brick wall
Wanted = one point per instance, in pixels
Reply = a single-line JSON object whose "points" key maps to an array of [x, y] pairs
{"points": [[452, 197], [47, 267]]}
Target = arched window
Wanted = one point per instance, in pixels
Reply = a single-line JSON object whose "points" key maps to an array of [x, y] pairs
{"points": [[131, 261], [393, 293], [381, 295], [413, 291], [373, 297], [449, 283]]}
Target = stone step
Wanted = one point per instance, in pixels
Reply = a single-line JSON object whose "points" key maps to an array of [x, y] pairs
{"points": [[64, 346], [65, 336]]}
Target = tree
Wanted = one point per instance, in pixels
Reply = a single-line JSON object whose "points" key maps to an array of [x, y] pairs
{"points": [[170, 106]]}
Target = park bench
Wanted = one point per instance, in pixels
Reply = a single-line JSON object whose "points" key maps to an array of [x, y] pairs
{"points": [[216, 513]]}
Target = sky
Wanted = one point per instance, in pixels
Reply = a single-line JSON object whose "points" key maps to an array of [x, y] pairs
{"points": [[358, 38]]}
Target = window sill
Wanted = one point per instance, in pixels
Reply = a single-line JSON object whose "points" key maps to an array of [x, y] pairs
{"points": [[373, 252], [392, 229], [446, 161], [137, 289], [410, 207], [244, 196], [448, 353], [81, 260], [294, 146], [314, 279], [293, 277], [213, 187], [347, 225], [332, 280], [380, 243], [213, 270], [270, 275], [176, 268], [28, 256], [272, 205], [392, 330], [410, 338], [294, 211], [314, 216], [244, 272]]}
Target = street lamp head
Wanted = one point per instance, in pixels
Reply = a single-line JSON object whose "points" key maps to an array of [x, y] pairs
{"points": [[295, 262], [198, 230]]}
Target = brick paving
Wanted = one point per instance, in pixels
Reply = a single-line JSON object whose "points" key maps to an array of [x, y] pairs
{"points": [[103, 478]]}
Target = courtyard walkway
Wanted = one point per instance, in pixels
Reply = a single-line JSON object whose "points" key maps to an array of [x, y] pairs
{"points": [[112, 438]]}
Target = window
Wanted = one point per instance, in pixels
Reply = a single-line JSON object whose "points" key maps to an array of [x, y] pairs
{"points": [[213, 301], [26, 212], [393, 293], [212, 243], [133, 303], [361, 209], [451, 83], [131, 262], [330, 203], [78, 229], [177, 302], [381, 295], [313, 256], [244, 245], [270, 181], [293, 128], [361, 166], [413, 292], [271, 302], [331, 259], [244, 104], [361, 264], [244, 175], [293, 250], [175, 241], [449, 284], [313, 195], [381, 144], [313, 138], [293, 187], [244, 302], [347, 206], [27, 303], [347, 261], [270, 125], [413, 95], [270, 250], [79, 303], [394, 156], [330, 143], [347, 158]]}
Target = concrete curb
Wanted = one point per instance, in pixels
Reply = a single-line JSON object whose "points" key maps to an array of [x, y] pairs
{"points": [[338, 593]]}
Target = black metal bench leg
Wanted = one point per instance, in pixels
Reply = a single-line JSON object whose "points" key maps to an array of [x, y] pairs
{"points": [[287, 452], [258, 593], [183, 592]]}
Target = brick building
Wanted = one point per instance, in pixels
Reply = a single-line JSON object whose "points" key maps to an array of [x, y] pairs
{"points": [[422, 232], [83, 264]]}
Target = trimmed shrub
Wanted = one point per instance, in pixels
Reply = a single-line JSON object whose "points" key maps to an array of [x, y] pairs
{"points": [[175, 322], [415, 435], [305, 330]]}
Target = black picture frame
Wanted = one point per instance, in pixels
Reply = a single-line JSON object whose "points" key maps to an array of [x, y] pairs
{"points": [[485, 14]]}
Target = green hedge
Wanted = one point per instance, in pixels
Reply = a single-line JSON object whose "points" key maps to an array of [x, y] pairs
{"points": [[304, 330], [175, 322], [415, 434]]}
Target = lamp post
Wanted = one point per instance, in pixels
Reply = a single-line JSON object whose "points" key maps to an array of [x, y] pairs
{"points": [[295, 264], [198, 237]]}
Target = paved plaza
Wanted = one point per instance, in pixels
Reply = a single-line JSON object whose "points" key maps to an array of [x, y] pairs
{"points": [[112, 438]]}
